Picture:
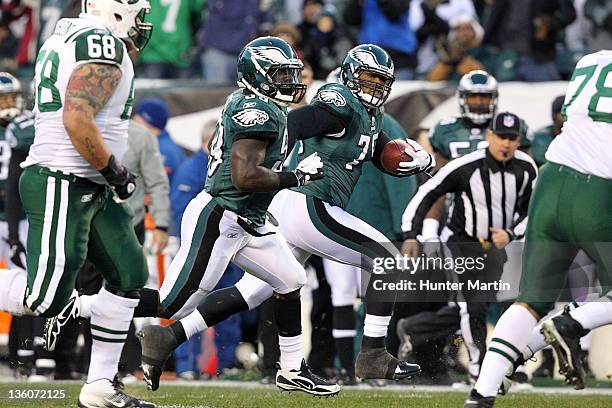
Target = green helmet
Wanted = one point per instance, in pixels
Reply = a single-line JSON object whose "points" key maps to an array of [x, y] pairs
{"points": [[268, 66], [371, 59]]}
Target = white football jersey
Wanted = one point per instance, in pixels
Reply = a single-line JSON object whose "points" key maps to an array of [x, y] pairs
{"points": [[77, 41], [585, 143]]}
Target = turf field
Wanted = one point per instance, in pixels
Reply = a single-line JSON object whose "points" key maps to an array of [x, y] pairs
{"points": [[251, 396]]}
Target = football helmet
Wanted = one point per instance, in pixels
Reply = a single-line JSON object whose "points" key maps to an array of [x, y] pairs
{"points": [[477, 82], [11, 98], [270, 67], [123, 18], [361, 66]]}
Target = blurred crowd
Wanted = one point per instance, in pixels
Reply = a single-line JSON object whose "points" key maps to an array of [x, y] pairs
{"points": [[524, 40]]}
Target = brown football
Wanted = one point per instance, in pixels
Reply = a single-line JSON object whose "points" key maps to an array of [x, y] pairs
{"points": [[393, 153]]}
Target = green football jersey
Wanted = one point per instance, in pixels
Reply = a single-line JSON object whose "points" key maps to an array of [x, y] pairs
{"points": [[18, 135], [452, 138], [20, 132], [174, 23], [246, 113], [342, 154], [380, 199], [541, 140]]}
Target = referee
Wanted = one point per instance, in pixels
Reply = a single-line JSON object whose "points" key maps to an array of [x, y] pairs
{"points": [[491, 190]]}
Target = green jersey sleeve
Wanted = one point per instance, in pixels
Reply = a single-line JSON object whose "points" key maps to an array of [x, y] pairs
{"points": [[438, 136], [337, 99], [98, 45], [253, 117], [20, 132]]}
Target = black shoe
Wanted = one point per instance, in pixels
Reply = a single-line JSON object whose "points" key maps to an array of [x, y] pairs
{"points": [[306, 381], [157, 343], [377, 363], [53, 325], [546, 369], [563, 333], [475, 400]]}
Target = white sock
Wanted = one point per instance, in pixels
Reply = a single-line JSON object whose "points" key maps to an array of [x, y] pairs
{"points": [[85, 305], [290, 352], [111, 316], [193, 323], [594, 314], [376, 326], [536, 343], [511, 335], [13, 283]]}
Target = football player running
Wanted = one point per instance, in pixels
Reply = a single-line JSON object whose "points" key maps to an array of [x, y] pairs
{"points": [[579, 165], [342, 125], [73, 185], [226, 222]]}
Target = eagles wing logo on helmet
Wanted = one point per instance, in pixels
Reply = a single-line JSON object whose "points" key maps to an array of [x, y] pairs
{"points": [[333, 97], [271, 54], [251, 117], [367, 58]]}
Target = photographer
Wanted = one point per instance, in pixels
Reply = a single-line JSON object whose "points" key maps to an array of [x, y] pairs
{"points": [[491, 189]]}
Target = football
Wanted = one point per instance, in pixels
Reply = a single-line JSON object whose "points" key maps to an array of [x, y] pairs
{"points": [[393, 153]]}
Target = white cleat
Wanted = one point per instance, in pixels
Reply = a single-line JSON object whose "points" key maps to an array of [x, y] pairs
{"points": [[306, 381], [105, 393]]}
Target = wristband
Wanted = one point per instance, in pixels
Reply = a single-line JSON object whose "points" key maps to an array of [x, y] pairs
{"points": [[287, 179]]}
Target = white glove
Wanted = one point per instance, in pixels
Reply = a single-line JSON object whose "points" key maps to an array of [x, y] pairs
{"points": [[309, 170], [421, 160]]}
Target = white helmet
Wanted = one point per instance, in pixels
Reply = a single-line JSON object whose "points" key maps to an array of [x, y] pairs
{"points": [[123, 18], [478, 82]]}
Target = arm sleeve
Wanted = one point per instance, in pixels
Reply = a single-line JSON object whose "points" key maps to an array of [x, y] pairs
{"points": [[156, 182], [314, 120], [13, 199], [445, 181]]}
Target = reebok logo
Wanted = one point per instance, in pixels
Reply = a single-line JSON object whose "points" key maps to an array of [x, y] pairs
{"points": [[85, 198]]}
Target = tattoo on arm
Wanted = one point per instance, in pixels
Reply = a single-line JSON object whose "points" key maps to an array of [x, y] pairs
{"points": [[89, 89]]}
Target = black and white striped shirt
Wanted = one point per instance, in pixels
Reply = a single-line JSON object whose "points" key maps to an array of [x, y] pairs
{"points": [[488, 194]]}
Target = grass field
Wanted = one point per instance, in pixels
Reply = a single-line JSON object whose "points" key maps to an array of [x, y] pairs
{"points": [[267, 397]]}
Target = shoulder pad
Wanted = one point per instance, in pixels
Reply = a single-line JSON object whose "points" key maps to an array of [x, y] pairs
{"points": [[336, 97], [98, 45]]}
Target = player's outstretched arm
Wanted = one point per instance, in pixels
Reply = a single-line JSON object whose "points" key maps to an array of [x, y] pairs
{"points": [[89, 88], [249, 173]]}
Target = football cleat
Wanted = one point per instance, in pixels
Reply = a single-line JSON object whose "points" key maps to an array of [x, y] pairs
{"points": [[306, 381], [157, 343], [563, 333], [377, 363], [475, 400], [106, 393], [53, 325]]}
